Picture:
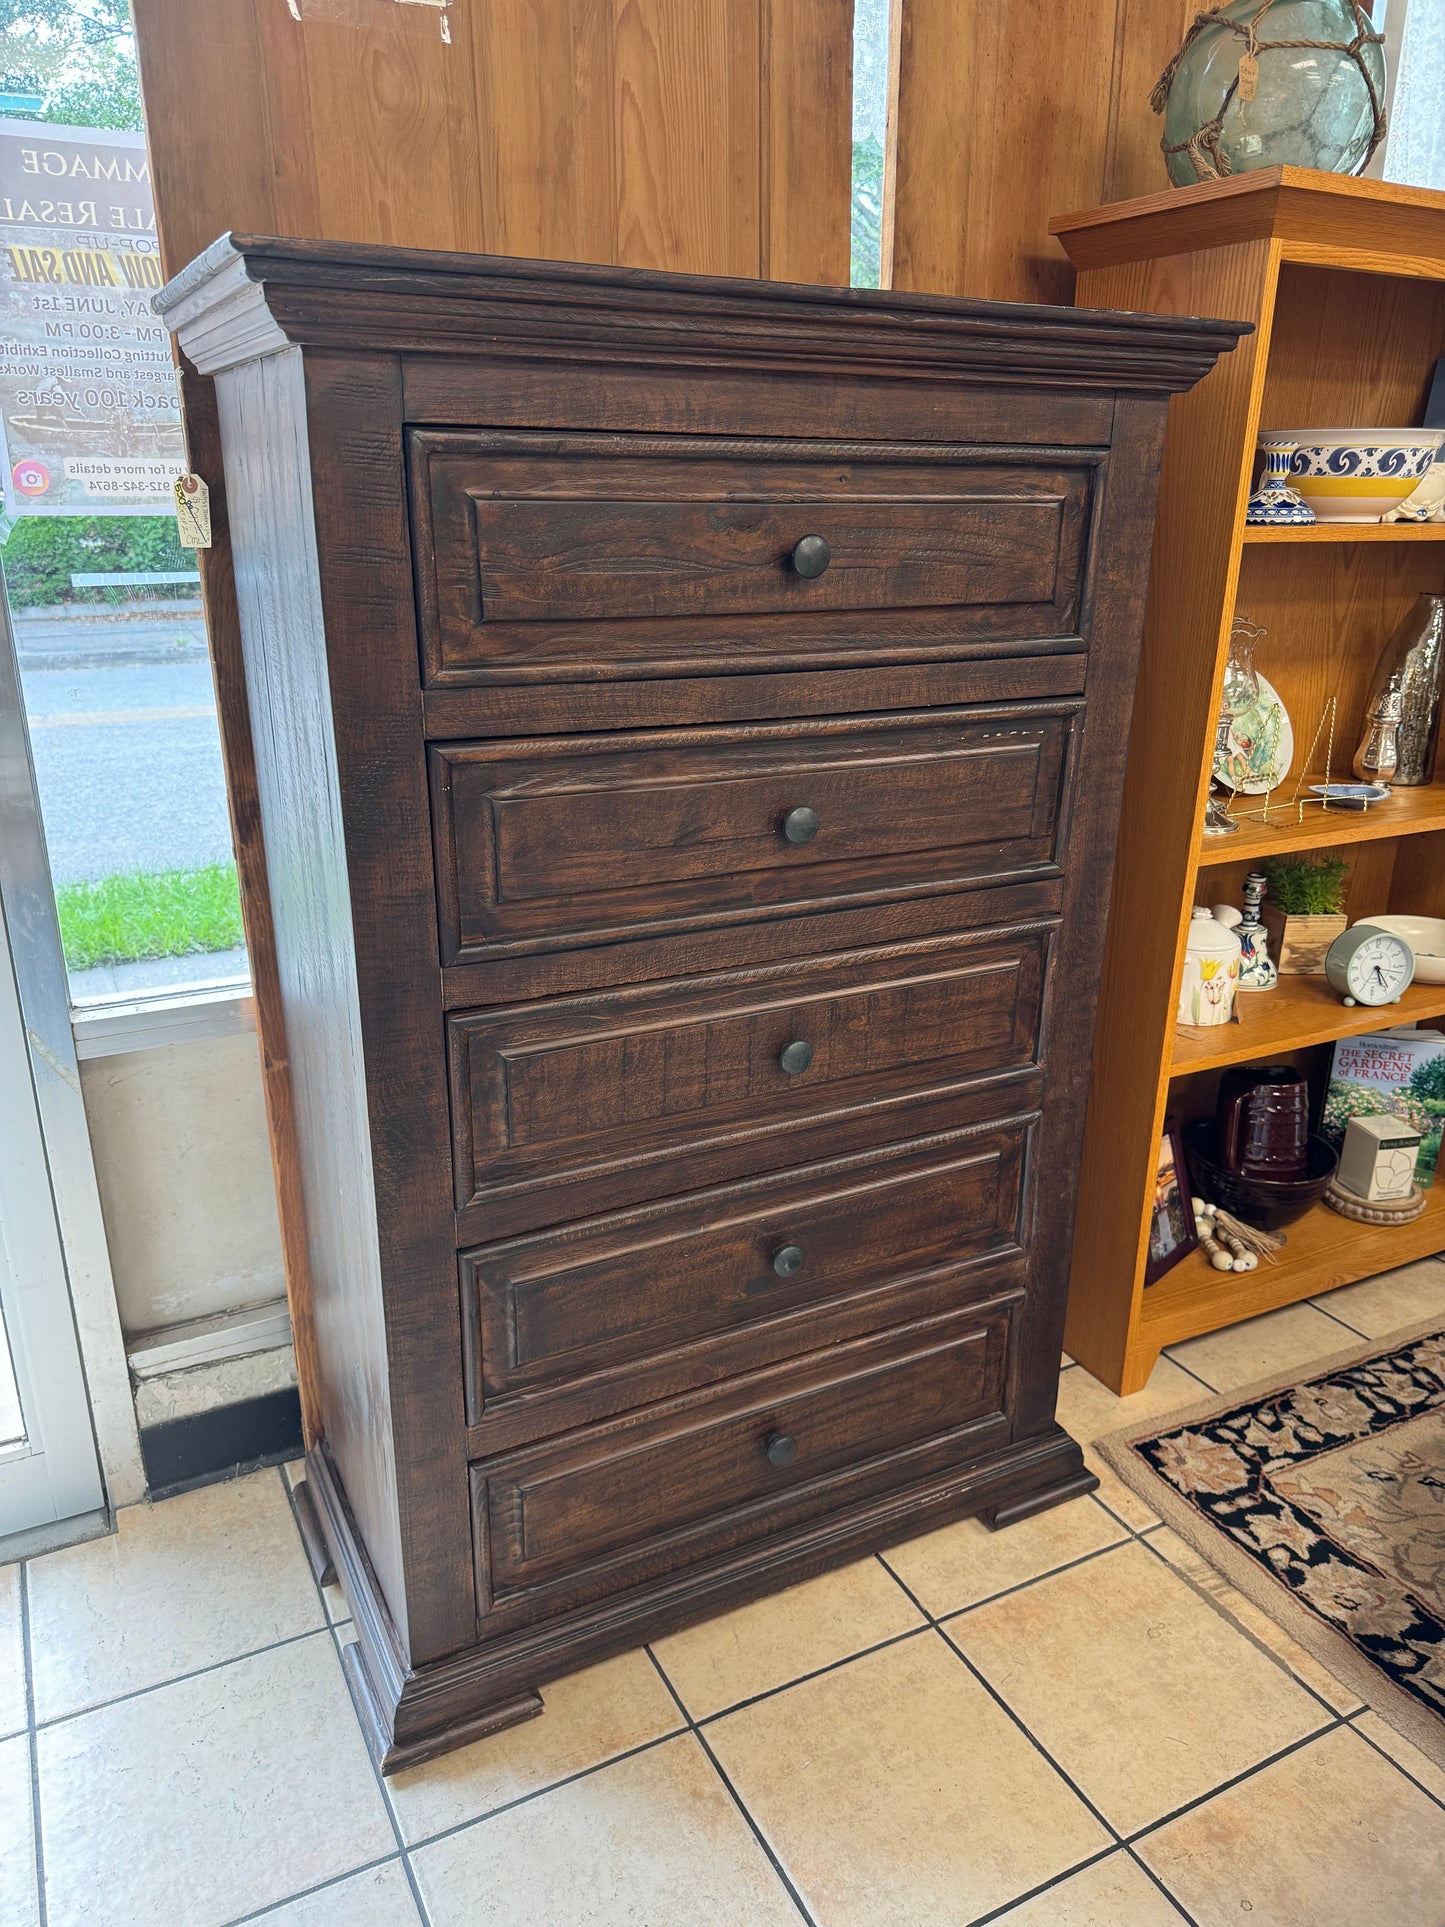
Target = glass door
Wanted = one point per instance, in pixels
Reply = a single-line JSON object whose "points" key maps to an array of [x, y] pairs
{"points": [[48, 1465]]}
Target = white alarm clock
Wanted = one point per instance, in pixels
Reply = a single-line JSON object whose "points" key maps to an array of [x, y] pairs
{"points": [[1368, 965]]}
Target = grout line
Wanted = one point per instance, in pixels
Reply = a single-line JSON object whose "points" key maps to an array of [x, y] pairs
{"points": [[1246, 1632], [1118, 1840], [177, 1679], [818, 1672], [32, 1740], [1134, 1532], [1084, 1559], [737, 1800], [1083, 1866], [321, 1887], [1128, 1524], [1142, 1535], [376, 1775], [1044, 1886], [490, 1813], [1127, 1843], [1004, 1707], [1189, 1370], [1226, 1786], [335, 1631], [1149, 1874], [1389, 1757], [1364, 1337], [537, 1793]]}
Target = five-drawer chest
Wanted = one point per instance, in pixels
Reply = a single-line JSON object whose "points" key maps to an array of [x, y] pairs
{"points": [[689, 719]]}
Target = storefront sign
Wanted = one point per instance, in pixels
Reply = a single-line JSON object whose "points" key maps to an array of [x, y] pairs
{"points": [[88, 403]]}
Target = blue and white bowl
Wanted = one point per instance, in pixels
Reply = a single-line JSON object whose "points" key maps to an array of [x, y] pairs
{"points": [[1357, 474]]}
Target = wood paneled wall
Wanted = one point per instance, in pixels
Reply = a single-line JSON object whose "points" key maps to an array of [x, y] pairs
{"points": [[710, 136], [1006, 112]]}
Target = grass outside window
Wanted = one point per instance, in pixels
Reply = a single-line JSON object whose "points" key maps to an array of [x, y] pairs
{"points": [[146, 914]]}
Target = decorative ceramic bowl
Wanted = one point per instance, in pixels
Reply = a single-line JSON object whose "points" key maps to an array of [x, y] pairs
{"points": [[1356, 474], [1425, 936], [1268, 1203]]}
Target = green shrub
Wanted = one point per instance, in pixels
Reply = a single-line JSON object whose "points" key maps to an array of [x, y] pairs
{"points": [[44, 550], [1305, 886]]}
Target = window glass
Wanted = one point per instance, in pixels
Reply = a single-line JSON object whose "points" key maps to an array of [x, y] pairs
{"points": [[105, 603], [1415, 146], [870, 131]]}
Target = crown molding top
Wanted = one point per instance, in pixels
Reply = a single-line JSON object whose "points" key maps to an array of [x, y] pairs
{"points": [[1300, 207], [250, 295]]}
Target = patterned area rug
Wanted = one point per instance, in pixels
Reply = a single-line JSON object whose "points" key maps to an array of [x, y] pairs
{"points": [[1323, 1501]]}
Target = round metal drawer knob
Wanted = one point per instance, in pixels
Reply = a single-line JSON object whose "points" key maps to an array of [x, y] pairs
{"points": [[796, 1057], [811, 556], [781, 1449], [787, 1260], [800, 825]]}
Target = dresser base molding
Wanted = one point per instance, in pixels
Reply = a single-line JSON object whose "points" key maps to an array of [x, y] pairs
{"points": [[1013, 1511], [411, 1716], [392, 1755], [313, 1539]]}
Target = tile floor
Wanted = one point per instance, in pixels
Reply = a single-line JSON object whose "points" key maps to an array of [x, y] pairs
{"points": [[1074, 1723]]}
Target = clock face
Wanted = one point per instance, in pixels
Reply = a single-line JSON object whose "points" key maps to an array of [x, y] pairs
{"points": [[1379, 969]]}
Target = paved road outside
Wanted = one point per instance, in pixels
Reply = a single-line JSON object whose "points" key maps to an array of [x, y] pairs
{"points": [[123, 733]]}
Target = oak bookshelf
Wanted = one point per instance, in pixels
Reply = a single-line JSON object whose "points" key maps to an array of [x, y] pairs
{"points": [[1345, 283]]}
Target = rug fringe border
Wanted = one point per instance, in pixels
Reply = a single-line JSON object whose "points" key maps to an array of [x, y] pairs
{"points": [[1334, 1650]]}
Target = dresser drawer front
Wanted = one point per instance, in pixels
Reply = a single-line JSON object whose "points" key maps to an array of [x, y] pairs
{"points": [[658, 1489], [624, 1080], [554, 844], [639, 1289], [547, 555]]}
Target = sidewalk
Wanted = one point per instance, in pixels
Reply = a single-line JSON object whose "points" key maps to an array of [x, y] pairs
{"points": [[92, 636], [156, 975]]}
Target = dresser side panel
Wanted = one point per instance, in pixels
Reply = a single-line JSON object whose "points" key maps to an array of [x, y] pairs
{"points": [[1113, 622], [269, 492], [364, 563]]}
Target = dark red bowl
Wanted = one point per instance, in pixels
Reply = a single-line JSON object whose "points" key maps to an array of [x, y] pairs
{"points": [[1267, 1203]]}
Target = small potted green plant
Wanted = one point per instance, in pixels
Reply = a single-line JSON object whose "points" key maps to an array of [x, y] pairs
{"points": [[1305, 910]]}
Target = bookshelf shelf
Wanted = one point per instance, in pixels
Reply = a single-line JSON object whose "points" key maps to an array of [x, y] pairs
{"points": [[1302, 1011], [1409, 812], [1323, 1250], [1324, 532]]}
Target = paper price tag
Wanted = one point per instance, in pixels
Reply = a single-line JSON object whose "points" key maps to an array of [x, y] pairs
{"points": [[193, 512], [1248, 76]]}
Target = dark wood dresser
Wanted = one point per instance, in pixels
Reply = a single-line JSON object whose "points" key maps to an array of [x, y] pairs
{"points": [[690, 719]]}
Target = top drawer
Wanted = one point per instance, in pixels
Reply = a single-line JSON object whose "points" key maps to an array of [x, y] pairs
{"points": [[546, 556]]}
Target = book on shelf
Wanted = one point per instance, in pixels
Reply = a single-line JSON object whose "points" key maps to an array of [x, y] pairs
{"points": [[1390, 1072]]}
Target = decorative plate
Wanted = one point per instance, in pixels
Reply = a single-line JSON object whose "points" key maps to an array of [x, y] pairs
{"points": [[1261, 745], [1352, 796]]}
